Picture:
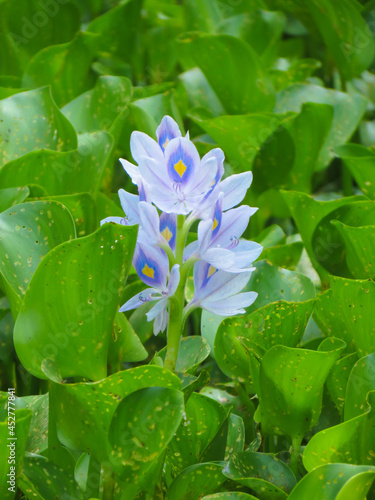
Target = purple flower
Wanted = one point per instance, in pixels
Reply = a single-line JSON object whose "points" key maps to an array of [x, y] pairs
{"points": [[173, 176], [219, 242], [218, 291], [157, 230], [130, 205], [151, 265]]}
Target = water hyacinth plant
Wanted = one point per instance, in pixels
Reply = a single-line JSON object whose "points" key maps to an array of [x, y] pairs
{"points": [[172, 179]]}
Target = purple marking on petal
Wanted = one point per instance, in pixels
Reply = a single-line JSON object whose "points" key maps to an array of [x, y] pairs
{"points": [[166, 131], [218, 215], [168, 228], [151, 265], [182, 159]]}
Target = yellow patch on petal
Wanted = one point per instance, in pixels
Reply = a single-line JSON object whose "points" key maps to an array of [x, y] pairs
{"points": [[214, 226], [180, 168], [165, 143], [167, 234], [211, 270], [148, 271]]}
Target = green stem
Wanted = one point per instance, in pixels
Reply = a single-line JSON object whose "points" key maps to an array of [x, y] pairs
{"points": [[108, 484], [176, 306], [294, 453]]}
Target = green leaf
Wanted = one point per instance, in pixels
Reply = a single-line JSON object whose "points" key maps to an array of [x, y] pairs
{"points": [[360, 249], [346, 34], [273, 283], [229, 495], [361, 163], [348, 111], [262, 30], [43, 480], [197, 481], [12, 196], [233, 70], [101, 108], [141, 428], [352, 442], [40, 25], [65, 67], [125, 346], [28, 232], [31, 120], [286, 256], [199, 91], [361, 382], [335, 482], [38, 433], [266, 475], [202, 420], [118, 29], [322, 241], [309, 131], [280, 323], [92, 405], [241, 136], [236, 435], [83, 210], [345, 311], [338, 378], [192, 352], [12, 449], [76, 171], [291, 386], [69, 308]]}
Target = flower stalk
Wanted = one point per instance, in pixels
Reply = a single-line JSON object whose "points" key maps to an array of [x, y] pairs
{"points": [[176, 188]]}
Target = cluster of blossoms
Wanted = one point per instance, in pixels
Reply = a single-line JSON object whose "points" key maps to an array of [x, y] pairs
{"points": [[171, 177]]}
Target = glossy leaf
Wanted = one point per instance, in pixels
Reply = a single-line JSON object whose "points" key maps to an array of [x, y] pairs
{"points": [[273, 283], [201, 422], [335, 482], [360, 249], [249, 132], [101, 108], [28, 232], [76, 171], [43, 480], [16, 447], [348, 111], [361, 382], [352, 442], [77, 337], [65, 67], [92, 406], [361, 163], [24, 35], [345, 311], [291, 386], [31, 120], [338, 378], [222, 58], [322, 241], [266, 475], [12, 196], [196, 481], [146, 420], [280, 323], [192, 352]]}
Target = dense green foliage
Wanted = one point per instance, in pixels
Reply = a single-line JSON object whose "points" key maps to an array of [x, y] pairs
{"points": [[271, 405]]}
